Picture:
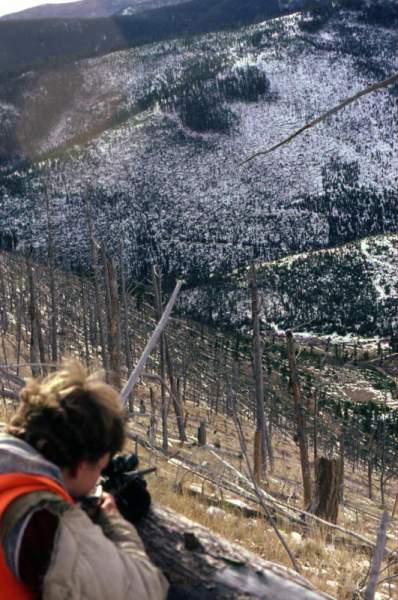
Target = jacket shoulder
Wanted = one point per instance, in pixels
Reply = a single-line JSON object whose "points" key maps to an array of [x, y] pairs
{"points": [[87, 563], [22, 506]]}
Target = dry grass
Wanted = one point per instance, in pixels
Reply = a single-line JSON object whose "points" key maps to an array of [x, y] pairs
{"points": [[331, 565]]}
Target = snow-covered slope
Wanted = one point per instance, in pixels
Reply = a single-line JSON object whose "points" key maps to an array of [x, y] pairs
{"points": [[352, 288], [171, 185]]}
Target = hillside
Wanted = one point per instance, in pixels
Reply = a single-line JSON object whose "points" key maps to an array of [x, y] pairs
{"points": [[204, 360], [64, 33], [347, 289], [87, 9], [153, 138]]}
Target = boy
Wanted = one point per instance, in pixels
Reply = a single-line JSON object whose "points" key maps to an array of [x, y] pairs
{"points": [[64, 433]]}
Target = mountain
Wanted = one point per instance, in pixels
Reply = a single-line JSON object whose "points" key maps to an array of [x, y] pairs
{"points": [[86, 9], [351, 288], [27, 43], [152, 139]]}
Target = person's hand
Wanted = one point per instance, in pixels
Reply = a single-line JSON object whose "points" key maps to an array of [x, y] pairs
{"points": [[107, 503]]}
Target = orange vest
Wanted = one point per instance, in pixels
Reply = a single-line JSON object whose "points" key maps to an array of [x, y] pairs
{"points": [[13, 485]]}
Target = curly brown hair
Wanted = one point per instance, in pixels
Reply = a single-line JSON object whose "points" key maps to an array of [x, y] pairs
{"points": [[70, 416]]}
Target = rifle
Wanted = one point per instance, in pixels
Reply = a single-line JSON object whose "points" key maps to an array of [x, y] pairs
{"points": [[126, 484]]}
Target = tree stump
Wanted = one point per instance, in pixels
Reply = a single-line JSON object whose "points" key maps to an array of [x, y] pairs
{"points": [[325, 503], [207, 567], [202, 434]]}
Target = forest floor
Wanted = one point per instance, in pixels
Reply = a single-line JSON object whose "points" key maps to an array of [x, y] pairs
{"points": [[332, 561]]}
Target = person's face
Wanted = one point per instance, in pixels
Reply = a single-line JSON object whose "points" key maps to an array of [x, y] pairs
{"points": [[80, 481]]}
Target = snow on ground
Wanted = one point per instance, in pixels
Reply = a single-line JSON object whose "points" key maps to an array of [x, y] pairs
{"points": [[382, 257], [182, 195]]}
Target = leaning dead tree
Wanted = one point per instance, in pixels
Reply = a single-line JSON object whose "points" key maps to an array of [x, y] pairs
{"points": [[152, 342], [211, 568], [377, 557]]}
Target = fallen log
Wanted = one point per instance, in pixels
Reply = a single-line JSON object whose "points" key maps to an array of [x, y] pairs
{"points": [[211, 568], [230, 504], [5, 374], [9, 394]]}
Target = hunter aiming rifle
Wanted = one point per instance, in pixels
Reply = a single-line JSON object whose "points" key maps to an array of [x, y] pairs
{"points": [[127, 485]]}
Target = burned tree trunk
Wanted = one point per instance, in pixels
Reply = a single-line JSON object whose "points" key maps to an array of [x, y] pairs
{"points": [[327, 489], [37, 354], [126, 326], [202, 434], [97, 301], [85, 324], [157, 288], [53, 320], [300, 419], [114, 324], [178, 408], [342, 466], [264, 446], [315, 426], [204, 566]]}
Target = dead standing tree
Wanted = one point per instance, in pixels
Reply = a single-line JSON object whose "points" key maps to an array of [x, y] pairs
{"points": [[300, 419], [162, 356], [37, 353], [262, 443], [97, 301], [113, 324], [126, 326], [176, 393], [53, 317]]}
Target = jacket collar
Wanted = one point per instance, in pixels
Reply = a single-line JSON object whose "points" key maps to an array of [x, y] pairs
{"points": [[17, 456]]}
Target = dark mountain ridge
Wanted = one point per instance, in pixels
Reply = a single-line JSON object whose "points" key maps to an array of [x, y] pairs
{"points": [[87, 9], [152, 137], [26, 43]]}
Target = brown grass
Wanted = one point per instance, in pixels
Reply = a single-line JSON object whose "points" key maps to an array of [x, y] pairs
{"points": [[329, 564]]}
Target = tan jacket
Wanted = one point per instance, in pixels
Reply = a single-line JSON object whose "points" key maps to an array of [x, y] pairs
{"points": [[100, 562]]}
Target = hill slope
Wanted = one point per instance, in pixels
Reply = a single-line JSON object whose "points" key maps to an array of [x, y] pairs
{"points": [[87, 9], [204, 362], [64, 32], [352, 288], [166, 177]]}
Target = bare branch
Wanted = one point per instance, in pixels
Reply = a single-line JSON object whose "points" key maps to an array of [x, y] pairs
{"points": [[11, 376], [258, 494], [377, 557]]}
